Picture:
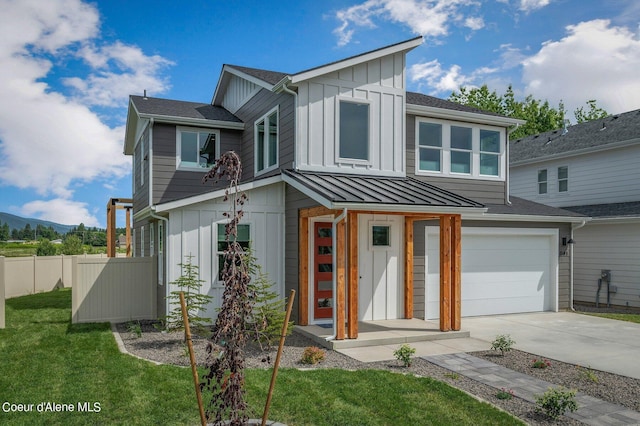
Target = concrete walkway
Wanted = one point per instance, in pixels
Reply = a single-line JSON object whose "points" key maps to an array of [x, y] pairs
{"points": [[591, 411]]}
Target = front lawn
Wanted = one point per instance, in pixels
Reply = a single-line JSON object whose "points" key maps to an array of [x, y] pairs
{"points": [[45, 360], [620, 317]]}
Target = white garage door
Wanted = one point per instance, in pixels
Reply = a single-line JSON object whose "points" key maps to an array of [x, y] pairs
{"points": [[503, 271]]}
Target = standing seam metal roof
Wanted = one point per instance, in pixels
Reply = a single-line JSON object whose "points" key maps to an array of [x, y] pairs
{"points": [[346, 188]]}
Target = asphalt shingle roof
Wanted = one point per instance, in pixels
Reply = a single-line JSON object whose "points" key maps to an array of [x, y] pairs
{"points": [[420, 99], [629, 209], [172, 108], [583, 136], [402, 191], [271, 77], [520, 206]]}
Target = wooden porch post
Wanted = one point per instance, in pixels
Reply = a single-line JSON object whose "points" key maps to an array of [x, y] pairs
{"points": [[339, 297], [445, 273], [456, 272], [128, 232], [111, 228], [408, 267], [353, 277], [303, 270]]}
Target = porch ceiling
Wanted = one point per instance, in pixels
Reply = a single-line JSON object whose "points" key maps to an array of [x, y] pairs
{"points": [[404, 193]]}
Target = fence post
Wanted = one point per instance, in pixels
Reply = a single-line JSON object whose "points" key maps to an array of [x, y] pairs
{"points": [[34, 273], [2, 321], [75, 292]]}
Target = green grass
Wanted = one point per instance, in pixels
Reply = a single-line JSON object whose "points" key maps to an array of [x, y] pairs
{"points": [[18, 249], [45, 359], [620, 317]]}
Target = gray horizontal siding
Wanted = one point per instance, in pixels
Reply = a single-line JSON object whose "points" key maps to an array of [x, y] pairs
{"points": [[482, 191], [258, 106], [171, 184], [294, 201]]}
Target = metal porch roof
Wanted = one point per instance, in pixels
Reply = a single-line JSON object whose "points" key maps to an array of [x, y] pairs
{"points": [[376, 190]]}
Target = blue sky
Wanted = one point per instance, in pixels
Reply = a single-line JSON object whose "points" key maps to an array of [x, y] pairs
{"points": [[68, 66]]}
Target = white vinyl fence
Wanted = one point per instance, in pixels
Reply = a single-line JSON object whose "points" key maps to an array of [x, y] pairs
{"points": [[114, 289], [2, 323], [35, 274]]}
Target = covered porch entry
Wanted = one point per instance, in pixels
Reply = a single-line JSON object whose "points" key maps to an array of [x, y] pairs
{"points": [[355, 254]]}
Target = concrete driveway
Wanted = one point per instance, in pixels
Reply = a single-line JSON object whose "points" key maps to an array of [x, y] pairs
{"points": [[598, 343]]}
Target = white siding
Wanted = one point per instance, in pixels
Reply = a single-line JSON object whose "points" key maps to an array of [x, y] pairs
{"points": [[599, 178], [608, 246], [238, 92], [381, 83], [193, 230]]}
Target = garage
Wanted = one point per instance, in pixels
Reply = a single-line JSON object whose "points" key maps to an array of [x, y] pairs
{"points": [[504, 270]]}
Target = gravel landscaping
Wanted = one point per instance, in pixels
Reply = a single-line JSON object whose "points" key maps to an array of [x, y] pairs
{"points": [[169, 348]]}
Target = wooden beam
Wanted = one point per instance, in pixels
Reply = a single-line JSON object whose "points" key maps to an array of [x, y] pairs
{"points": [[408, 267], [445, 273], [456, 272], [303, 271], [317, 211], [339, 297], [353, 276]]}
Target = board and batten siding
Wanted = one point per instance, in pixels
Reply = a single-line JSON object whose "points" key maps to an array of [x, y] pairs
{"points": [[193, 231], [238, 92], [603, 177], [482, 191], [263, 102], [169, 183], [381, 83], [613, 246]]}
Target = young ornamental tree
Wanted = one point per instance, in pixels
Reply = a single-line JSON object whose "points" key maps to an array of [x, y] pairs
{"points": [[224, 380]]}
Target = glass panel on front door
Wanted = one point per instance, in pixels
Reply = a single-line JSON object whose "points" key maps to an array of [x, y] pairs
{"points": [[322, 270]]}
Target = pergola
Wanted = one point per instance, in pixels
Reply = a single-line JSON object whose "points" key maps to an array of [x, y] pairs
{"points": [[113, 205]]}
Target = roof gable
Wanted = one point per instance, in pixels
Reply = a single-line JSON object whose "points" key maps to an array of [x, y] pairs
{"points": [[607, 133]]}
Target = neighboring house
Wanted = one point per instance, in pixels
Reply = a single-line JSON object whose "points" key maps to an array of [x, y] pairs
{"points": [[362, 196], [591, 168]]}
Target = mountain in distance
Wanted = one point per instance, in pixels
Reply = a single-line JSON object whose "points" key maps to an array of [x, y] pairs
{"points": [[17, 222]]}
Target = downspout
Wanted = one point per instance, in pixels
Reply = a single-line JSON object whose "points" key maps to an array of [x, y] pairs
{"points": [[584, 222], [334, 284], [507, 172]]}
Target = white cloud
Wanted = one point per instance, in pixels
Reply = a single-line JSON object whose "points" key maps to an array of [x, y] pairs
{"points": [[594, 61], [62, 211], [429, 18], [50, 142], [434, 76], [530, 5]]}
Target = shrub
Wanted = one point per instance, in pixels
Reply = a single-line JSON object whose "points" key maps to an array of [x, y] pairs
{"points": [[556, 401], [312, 355], [541, 363], [404, 354], [504, 393], [502, 343], [588, 374], [46, 248], [134, 327]]}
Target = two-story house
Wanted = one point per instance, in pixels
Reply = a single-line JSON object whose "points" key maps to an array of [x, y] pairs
{"points": [[591, 168], [370, 201]]}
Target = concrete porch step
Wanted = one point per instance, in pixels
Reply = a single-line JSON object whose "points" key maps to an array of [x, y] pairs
{"points": [[380, 333]]}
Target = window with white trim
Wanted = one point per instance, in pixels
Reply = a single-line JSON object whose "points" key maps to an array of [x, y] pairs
{"points": [[196, 149], [563, 179], [353, 130], [459, 149], [266, 142], [542, 181], [144, 143], [243, 238]]}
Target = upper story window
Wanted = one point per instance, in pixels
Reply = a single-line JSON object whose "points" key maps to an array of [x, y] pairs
{"points": [[459, 149], [563, 179], [144, 144], [353, 137], [430, 146], [197, 149], [266, 142], [542, 181]]}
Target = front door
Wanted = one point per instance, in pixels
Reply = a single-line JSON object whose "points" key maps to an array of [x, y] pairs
{"points": [[322, 270]]}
